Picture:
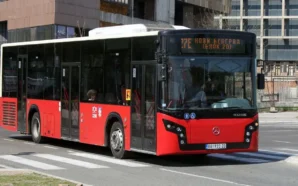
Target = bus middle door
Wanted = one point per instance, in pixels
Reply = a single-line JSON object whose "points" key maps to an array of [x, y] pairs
{"points": [[143, 110], [70, 101]]}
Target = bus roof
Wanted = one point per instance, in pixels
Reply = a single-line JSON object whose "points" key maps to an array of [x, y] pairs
{"points": [[122, 31], [64, 40]]}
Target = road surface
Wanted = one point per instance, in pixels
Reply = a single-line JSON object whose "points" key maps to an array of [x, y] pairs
{"points": [[95, 166]]}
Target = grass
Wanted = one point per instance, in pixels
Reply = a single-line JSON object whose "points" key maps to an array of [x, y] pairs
{"points": [[31, 179]]}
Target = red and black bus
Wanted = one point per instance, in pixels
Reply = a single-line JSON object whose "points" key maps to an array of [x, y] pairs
{"points": [[129, 88]]}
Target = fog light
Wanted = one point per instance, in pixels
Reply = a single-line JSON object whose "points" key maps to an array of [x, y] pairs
{"points": [[169, 126], [248, 134], [247, 140], [251, 127], [182, 142], [181, 135]]}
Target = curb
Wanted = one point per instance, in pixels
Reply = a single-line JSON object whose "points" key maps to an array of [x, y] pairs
{"points": [[293, 160], [44, 174]]}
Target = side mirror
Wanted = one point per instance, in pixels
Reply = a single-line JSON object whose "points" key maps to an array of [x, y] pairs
{"points": [[162, 72], [261, 81]]}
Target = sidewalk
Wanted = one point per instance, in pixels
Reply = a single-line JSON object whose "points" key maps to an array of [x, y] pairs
{"points": [[286, 117]]}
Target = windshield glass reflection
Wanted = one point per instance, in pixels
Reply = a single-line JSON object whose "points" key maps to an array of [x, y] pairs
{"points": [[204, 83]]}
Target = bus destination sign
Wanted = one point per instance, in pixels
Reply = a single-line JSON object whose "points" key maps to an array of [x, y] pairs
{"points": [[209, 45]]}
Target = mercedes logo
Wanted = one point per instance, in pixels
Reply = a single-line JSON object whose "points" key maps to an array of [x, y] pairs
{"points": [[216, 131]]}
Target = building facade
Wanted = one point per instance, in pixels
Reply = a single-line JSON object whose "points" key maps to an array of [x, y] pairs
{"points": [[49, 19], [45, 19], [275, 22], [191, 13]]}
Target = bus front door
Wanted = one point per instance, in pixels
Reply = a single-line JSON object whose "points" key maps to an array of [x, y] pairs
{"points": [[22, 92], [70, 101], [143, 109]]}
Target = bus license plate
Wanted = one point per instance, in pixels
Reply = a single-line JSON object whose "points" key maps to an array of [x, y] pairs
{"points": [[216, 146]]}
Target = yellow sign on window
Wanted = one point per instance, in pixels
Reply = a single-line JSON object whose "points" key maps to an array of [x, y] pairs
{"points": [[128, 94]]}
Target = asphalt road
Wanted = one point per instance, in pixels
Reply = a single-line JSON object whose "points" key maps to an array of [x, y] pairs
{"points": [[95, 166]]}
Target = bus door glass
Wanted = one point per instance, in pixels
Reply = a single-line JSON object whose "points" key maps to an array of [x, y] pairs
{"points": [[70, 101], [143, 115], [22, 92]]}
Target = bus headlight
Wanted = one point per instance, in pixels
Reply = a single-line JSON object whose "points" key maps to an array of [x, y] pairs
{"points": [[249, 129], [177, 129]]}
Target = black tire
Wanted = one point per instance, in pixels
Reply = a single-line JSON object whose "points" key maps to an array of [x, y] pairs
{"points": [[117, 146], [36, 128]]}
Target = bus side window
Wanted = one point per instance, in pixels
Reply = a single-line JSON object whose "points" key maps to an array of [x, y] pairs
{"points": [[92, 70], [117, 70]]}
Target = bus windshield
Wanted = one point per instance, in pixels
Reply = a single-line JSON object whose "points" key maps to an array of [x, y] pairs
{"points": [[210, 83]]}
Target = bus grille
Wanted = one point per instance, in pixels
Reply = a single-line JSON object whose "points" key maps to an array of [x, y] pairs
{"points": [[9, 113]]}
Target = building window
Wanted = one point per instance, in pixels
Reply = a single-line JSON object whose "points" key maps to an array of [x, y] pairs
{"points": [[117, 1], [277, 69], [66, 32]]}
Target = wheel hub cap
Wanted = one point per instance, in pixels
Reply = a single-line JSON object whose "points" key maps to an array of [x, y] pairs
{"points": [[117, 140]]}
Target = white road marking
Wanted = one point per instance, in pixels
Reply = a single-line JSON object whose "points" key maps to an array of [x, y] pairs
{"points": [[287, 149], [277, 122], [6, 167], [8, 139], [109, 160], [70, 161], [277, 131], [241, 159], [204, 177], [275, 152], [281, 141], [280, 126], [29, 143], [31, 163], [50, 147]]}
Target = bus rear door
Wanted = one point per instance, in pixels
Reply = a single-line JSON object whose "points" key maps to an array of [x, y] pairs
{"points": [[143, 109], [22, 92]]}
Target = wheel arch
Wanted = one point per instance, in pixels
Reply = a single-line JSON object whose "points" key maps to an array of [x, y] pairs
{"points": [[33, 108], [113, 116]]}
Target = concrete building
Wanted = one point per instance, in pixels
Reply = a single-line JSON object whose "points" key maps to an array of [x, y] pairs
{"points": [[276, 24], [25, 20], [191, 13]]}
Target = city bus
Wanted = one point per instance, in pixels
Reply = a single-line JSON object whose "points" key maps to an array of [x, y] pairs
{"points": [[136, 88]]}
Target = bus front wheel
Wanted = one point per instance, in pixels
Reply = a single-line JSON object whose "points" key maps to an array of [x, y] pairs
{"points": [[36, 128], [117, 141]]}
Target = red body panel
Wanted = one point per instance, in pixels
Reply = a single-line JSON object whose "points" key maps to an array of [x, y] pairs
{"points": [[93, 123], [50, 117], [92, 129], [233, 131], [9, 113]]}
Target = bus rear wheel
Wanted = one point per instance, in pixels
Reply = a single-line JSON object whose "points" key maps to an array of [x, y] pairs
{"points": [[36, 128], [117, 141]]}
